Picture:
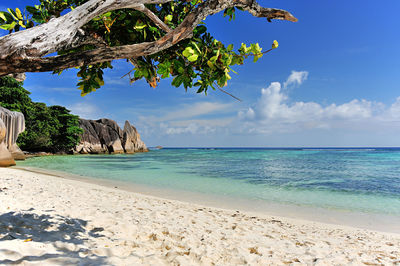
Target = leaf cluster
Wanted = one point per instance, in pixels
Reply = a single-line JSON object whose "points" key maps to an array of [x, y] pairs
{"points": [[201, 62], [14, 20]]}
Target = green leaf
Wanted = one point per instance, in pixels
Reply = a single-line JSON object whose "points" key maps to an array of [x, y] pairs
{"points": [[222, 82], [188, 52], [197, 48], [229, 60], [99, 81], [256, 57], [18, 13], [168, 18], [138, 74], [31, 9], [8, 26], [230, 47], [193, 58], [177, 81], [232, 70], [275, 44], [255, 48], [139, 25], [38, 18], [21, 23], [230, 12], [244, 48], [200, 30], [12, 13], [2, 16]]}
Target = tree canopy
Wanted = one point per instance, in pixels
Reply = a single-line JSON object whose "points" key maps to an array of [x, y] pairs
{"points": [[160, 38], [51, 129]]}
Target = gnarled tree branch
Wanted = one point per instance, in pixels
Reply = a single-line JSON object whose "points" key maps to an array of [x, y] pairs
{"points": [[153, 18], [23, 51]]}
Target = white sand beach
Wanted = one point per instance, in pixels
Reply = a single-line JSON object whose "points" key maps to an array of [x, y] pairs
{"points": [[47, 220]]}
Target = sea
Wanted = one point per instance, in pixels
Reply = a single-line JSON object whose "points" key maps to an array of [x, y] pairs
{"points": [[355, 180]]}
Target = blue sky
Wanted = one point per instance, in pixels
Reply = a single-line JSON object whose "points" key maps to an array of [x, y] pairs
{"points": [[333, 81]]}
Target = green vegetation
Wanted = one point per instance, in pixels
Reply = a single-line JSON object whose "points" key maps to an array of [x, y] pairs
{"points": [[201, 61], [50, 129]]}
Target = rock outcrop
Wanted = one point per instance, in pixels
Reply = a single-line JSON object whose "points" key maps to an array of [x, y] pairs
{"points": [[109, 134], [131, 139], [90, 142], [105, 136], [6, 158], [18, 76], [12, 124]]}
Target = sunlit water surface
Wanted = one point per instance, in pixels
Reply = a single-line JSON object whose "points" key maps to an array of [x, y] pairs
{"points": [[363, 180]]}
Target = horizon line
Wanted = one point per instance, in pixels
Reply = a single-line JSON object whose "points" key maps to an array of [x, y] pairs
{"points": [[293, 147]]}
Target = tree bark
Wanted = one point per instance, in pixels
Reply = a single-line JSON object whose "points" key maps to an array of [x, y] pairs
{"points": [[25, 51]]}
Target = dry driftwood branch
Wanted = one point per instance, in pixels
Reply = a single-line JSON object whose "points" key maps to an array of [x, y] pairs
{"points": [[24, 51]]}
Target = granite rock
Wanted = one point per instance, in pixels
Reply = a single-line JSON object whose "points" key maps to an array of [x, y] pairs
{"points": [[90, 142], [14, 124], [6, 158], [131, 139], [105, 136]]}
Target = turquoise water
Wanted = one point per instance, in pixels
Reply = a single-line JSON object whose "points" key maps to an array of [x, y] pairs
{"points": [[366, 180]]}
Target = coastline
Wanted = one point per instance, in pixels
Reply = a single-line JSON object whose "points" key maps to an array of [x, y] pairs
{"points": [[353, 219], [57, 220]]}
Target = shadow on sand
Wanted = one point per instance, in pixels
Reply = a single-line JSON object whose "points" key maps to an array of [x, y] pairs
{"points": [[56, 230]]}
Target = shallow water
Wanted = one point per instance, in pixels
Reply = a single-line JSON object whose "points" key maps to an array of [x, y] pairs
{"points": [[363, 180]]}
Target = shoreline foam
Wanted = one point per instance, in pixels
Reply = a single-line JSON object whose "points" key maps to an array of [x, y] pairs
{"points": [[70, 221]]}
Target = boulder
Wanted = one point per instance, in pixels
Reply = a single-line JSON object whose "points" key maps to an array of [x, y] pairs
{"points": [[90, 142], [100, 136], [15, 124], [6, 158], [131, 139], [108, 135], [112, 124]]}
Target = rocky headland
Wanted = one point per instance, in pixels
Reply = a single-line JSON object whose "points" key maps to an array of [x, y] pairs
{"points": [[98, 137]]}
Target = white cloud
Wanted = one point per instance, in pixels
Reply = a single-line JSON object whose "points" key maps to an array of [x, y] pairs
{"points": [[85, 110], [195, 110], [192, 128], [218, 122], [274, 112], [274, 115], [296, 78], [195, 126], [394, 111], [116, 81], [197, 118]]}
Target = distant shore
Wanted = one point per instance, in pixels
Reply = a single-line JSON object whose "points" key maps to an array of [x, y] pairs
{"points": [[54, 220]]}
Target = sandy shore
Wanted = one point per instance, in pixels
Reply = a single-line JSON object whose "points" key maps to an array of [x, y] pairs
{"points": [[55, 221]]}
